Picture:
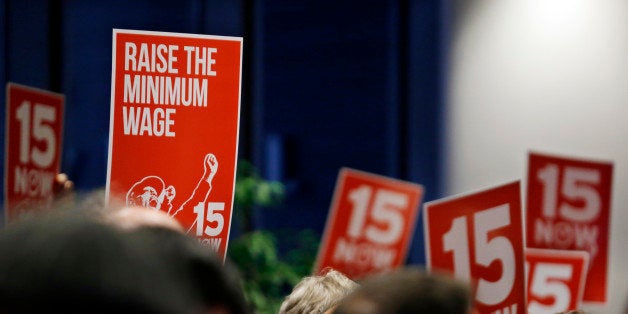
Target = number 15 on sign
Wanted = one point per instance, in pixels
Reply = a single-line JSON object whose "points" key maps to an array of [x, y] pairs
{"points": [[370, 224], [33, 148], [479, 238]]}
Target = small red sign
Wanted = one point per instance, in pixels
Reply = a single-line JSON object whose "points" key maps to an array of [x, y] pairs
{"points": [[556, 279], [175, 105], [568, 208], [34, 131], [370, 224], [479, 237]]}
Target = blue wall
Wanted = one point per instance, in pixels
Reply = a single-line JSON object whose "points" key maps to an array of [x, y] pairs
{"points": [[326, 84]]}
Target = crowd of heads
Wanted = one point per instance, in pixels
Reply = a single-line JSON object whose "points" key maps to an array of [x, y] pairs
{"points": [[409, 291], [405, 290], [88, 257], [91, 258]]}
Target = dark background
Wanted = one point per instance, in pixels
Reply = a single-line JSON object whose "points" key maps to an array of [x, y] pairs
{"points": [[326, 84]]}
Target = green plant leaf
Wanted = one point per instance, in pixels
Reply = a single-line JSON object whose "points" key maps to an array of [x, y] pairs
{"points": [[267, 275]]}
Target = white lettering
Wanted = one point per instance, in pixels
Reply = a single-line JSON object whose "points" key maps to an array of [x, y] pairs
{"points": [[213, 243], [363, 254], [140, 121], [202, 59], [130, 50], [145, 126], [130, 119], [507, 310], [172, 91], [172, 59], [162, 66], [143, 62], [131, 89], [565, 235], [33, 182], [154, 58], [165, 90]]}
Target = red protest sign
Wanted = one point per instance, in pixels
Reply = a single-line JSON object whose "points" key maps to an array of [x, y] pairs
{"points": [[479, 237], [556, 279], [175, 104], [568, 207], [33, 148], [370, 224]]}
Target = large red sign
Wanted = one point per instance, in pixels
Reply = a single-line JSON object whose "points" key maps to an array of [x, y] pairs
{"points": [[33, 148], [556, 279], [370, 224], [479, 237], [175, 103], [568, 207]]}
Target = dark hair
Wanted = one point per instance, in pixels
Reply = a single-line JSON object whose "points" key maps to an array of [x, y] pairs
{"points": [[210, 280], [61, 262], [66, 261], [408, 291]]}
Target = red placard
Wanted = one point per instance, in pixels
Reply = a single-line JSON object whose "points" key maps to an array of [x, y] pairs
{"points": [[568, 208], [33, 148], [175, 103], [555, 279], [370, 224], [479, 237]]}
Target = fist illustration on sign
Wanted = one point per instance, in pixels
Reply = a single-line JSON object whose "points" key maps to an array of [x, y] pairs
{"points": [[211, 165]]}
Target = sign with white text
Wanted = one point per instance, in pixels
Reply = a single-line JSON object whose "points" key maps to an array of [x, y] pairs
{"points": [[556, 279], [479, 237], [175, 105], [568, 208], [34, 131], [370, 224]]}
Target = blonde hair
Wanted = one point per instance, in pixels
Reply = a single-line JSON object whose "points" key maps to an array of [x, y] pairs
{"points": [[317, 294]]}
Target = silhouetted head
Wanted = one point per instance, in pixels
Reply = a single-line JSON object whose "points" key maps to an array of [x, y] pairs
{"points": [[408, 291]]}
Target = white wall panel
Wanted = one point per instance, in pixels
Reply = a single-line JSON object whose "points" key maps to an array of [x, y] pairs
{"points": [[545, 75]]}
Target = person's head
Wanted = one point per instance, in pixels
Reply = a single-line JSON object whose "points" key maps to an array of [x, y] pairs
{"points": [[317, 294], [66, 261], [408, 291], [214, 283], [133, 217], [73, 261]]}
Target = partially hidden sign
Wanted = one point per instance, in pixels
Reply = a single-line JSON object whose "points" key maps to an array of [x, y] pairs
{"points": [[479, 238], [175, 103], [370, 224], [568, 208], [556, 279], [34, 129]]}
